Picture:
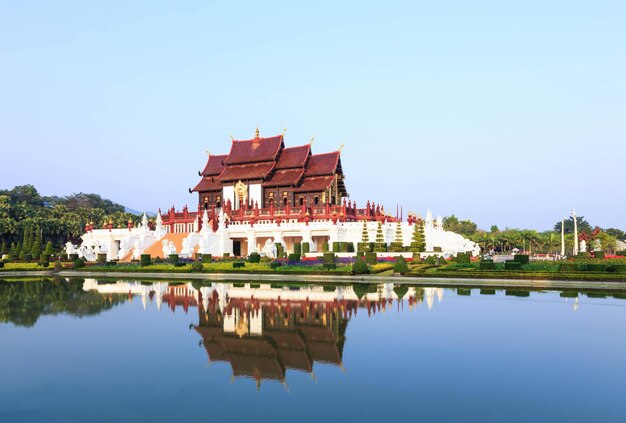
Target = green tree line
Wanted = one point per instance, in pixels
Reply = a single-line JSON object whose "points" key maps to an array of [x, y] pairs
{"points": [[533, 241], [31, 223]]}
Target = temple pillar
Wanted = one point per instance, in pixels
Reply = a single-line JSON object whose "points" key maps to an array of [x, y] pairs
{"points": [[252, 248]]}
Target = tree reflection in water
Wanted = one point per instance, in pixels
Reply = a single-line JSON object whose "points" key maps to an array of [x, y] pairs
{"points": [[22, 303]]}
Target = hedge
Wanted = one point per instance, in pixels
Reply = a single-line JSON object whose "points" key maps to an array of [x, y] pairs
{"points": [[463, 258], [598, 254], [329, 258], [297, 248], [173, 258], [238, 264], [306, 247], [254, 258], [521, 258], [487, 265], [294, 258], [371, 258], [360, 268], [44, 259], [206, 258], [400, 266], [512, 265], [145, 260]]}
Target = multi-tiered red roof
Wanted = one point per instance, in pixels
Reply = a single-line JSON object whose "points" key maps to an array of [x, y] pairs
{"points": [[269, 162]]}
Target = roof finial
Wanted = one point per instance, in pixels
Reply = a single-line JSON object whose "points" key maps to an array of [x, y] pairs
{"points": [[312, 139], [232, 138], [257, 132], [208, 153], [284, 130], [341, 147]]}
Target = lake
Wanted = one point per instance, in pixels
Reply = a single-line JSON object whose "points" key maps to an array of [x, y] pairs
{"points": [[97, 350]]}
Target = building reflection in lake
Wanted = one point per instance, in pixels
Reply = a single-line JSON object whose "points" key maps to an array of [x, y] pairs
{"points": [[263, 330]]}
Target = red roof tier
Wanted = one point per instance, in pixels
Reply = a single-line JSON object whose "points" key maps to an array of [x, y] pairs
{"points": [[287, 177], [315, 184], [207, 184], [293, 157], [322, 164], [255, 150], [248, 171], [214, 165]]}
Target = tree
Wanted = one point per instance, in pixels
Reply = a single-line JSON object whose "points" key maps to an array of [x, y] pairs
{"points": [[494, 228], [380, 238], [37, 245], [364, 235], [463, 227], [3, 249], [583, 225], [616, 233], [399, 238], [49, 249], [608, 243], [418, 243]]}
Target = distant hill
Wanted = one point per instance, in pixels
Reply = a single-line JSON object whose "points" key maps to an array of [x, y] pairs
{"points": [[133, 211]]}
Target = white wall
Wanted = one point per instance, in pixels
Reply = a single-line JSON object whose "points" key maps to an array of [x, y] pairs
{"points": [[228, 193], [255, 194]]}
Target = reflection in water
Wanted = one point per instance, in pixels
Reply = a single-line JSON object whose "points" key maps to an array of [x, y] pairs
{"points": [[23, 303], [262, 330]]}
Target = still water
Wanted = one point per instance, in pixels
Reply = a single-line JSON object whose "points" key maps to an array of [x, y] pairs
{"points": [[95, 350]]}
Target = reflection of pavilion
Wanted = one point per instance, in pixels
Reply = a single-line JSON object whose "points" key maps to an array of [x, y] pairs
{"points": [[262, 330]]}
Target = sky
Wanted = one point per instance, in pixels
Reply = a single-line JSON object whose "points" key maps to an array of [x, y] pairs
{"points": [[505, 113]]}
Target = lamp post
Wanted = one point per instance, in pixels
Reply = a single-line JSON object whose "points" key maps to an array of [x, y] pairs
{"points": [[563, 237], [575, 233]]}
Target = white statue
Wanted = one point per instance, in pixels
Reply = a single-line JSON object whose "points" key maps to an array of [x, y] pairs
{"points": [[583, 246], [269, 249], [165, 249]]}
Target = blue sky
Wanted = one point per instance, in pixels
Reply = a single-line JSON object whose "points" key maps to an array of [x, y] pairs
{"points": [[505, 113]]}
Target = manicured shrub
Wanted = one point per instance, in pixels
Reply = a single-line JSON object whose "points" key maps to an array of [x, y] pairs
{"points": [[371, 258], [400, 266], [395, 247], [359, 267], [197, 266], [306, 247], [584, 255], [360, 255], [521, 258], [73, 257], [363, 246], [297, 248], [329, 258], [226, 255], [621, 253], [179, 264], [329, 266], [144, 260], [417, 256], [463, 258], [44, 259], [275, 264], [567, 267], [206, 258], [598, 254], [27, 257], [336, 247], [325, 247], [293, 258], [254, 258], [441, 261], [173, 258], [158, 260], [512, 265], [437, 249], [79, 263], [430, 260], [380, 247], [58, 266], [238, 264], [487, 265]]}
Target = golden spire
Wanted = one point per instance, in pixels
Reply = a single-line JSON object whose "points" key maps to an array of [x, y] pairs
{"points": [[284, 131], [341, 147], [232, 138], [312, 139], [257, 132], [208, 153]]}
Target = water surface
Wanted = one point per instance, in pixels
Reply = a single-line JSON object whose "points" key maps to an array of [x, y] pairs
{"points": [[95, 350]]}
